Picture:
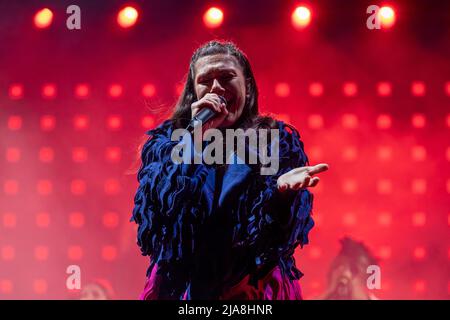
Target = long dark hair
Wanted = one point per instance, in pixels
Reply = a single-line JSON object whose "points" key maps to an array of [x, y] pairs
{"points": [[250, 117]]}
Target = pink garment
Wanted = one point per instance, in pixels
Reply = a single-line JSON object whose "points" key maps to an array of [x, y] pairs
{"points": [[274, 286]]}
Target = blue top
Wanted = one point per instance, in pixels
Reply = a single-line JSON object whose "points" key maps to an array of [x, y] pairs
{"points": [[207, 227]]}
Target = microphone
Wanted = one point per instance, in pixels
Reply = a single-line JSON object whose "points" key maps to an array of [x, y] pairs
{"points": [[204, 115]]}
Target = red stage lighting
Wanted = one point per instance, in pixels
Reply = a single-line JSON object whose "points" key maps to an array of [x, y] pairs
{"points": [[43, 18], [16, 91], [82, 91], [42, 219], [148, 122], [213, 17], [109, 253], [115, 90], [9, 220], [301, 17], [76, 219], [282, 89], [316, 89], [75, 253], [386, 16], [110, 220], [49, 91], [14, 123], [127, 17], [113, 154], [148, 90]]}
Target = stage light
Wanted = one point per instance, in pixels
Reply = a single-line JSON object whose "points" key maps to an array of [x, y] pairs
{"points": [[349, 219], [349, 153], [16, 91], [6, 286], [109, 253], [75, 253], [110, 220], [385, 252], [384, 89], [419, 253], [46, 154], [350, 186], [114, 122], [418, 89], [8, 253], [315, 121], [47, 123], [384, 186], [9, 220], [315, 252], [419, 186], [349, 121], [384, 153], [80, 122], [78, 187], [41, 253], [316, 89], [282, 89], [419, 219], [127, 17], [147, 122], [418, 153], [350, 89], [42, 219], [14, 123], [418, 120], [384, 121], [447, 88], [76, 220], [301, 17], [148, 90], [43, 18], [49, 91], [385, 219], [12, 155], [112, 187], [11, 187], [113, 154], [419, 286], [213, 17], [115, 90], [79, 154], [44, 187], [82, 91], [315, 152], [387, 16]]}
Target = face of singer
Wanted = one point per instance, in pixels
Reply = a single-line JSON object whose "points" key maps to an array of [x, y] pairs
{"points": [[223, 75]]}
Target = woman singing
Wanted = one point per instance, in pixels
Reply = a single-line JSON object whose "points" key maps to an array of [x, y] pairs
{"points": [[222, 231]]}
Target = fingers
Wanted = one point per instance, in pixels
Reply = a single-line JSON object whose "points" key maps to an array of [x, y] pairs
{"points": [[211, 101], [314, 181], [318, 168]]}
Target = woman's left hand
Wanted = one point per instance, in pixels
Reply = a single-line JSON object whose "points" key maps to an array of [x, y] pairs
{"points": [[301, 178]]}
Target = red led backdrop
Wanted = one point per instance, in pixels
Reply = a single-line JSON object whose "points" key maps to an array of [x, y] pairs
{"points": [[75, 104]]}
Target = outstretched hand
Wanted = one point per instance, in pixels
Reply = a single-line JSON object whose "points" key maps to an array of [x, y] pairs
{"points": [[301, 178]]}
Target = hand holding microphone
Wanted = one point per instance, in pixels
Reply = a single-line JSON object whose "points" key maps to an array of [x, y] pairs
{"points": [[211, 109]]}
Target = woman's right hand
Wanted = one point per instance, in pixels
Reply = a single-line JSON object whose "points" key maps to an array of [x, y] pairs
{"points": [[213, 102]]}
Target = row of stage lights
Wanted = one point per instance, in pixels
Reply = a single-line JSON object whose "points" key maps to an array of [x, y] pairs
{"points": [[213, 17]]}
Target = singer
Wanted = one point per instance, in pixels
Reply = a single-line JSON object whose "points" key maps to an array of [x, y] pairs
{"points": [[222, 231]]}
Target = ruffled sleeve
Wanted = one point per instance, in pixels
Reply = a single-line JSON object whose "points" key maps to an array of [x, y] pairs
{"points": [[166, 208], [280, 222]]}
